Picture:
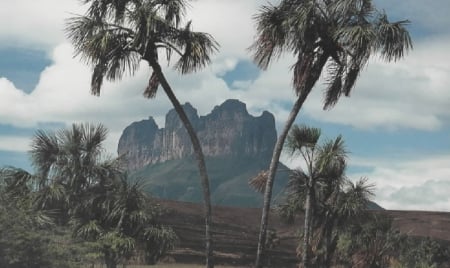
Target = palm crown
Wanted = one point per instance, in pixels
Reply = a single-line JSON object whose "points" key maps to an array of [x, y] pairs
{"points": [[115, 35], [339, 35]]}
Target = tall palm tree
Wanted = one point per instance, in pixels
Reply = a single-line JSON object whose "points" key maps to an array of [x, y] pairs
{"points": [[323, 163], [332, 37], [114, 36], [321, 189]]}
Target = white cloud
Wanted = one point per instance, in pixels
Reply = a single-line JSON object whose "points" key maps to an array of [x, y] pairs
{"points": [[230, 22], [421, 184], [62, 95], [36, 24], [14, 144]]}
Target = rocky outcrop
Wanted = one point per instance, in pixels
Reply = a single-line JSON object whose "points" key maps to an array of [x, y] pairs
{"points": [[229, 130]]}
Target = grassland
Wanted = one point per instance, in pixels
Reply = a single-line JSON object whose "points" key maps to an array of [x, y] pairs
{"points": [[174, 265]]}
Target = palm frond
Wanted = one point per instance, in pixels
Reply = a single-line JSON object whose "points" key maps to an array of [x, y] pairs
{"points": [[172, 10], [358, 38], [393, 39], [271, 39], [108, 47], [302, 19], [302, 137], [43, 218], [295, 195], [258, 183], [44, 151], [333, 171], [197, 49], [87, 230], [351, 10], [50, 196], [356, 197], [113, 9], [162, 234], [332, 152], [334, 88], [297, 184], [93, 136], [350, 77], [118, 241]]}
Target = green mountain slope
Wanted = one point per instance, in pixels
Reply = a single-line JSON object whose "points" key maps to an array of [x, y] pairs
{"points": [[229, 176]]}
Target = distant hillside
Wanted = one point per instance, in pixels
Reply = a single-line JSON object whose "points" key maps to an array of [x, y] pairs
{"points": [[178, 180]]}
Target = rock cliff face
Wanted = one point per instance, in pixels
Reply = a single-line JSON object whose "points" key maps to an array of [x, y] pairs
{"points": [[229, 130]]}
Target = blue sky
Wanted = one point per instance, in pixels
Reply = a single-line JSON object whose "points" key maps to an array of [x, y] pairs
{"points": [[396, 123]]}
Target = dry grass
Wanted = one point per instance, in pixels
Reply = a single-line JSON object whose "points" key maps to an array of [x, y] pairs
{"points": [[172, 265]]}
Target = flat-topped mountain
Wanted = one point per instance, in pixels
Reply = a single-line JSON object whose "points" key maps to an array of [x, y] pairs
{"points": [[228, 131], [237, 146]]}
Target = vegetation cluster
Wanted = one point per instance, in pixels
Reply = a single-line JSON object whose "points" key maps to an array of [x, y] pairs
{"points": [[78, 207]]}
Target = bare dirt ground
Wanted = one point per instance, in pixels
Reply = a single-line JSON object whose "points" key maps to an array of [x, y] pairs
{"points": [[235, 232]]}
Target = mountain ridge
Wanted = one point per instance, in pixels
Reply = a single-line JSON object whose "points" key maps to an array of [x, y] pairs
{"points": [[228, 130]]}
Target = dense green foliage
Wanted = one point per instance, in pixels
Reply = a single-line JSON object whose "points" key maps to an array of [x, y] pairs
{"points": [[423, 252], [29, 237], [76, 189], [22, 244], [373, 242]]}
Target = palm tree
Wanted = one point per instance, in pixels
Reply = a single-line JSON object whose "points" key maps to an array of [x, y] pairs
{"points": [[69, 161], [324, 163], [332, 37], [321, 189], [114, 36]]}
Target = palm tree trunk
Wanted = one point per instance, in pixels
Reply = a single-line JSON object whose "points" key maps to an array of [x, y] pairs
{"points": [[307, 226], [110, 261], [309, 84], [199, 156], [269, 184]]}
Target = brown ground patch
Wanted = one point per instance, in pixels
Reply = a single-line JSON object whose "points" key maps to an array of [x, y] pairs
{"points": [[235, 232]]}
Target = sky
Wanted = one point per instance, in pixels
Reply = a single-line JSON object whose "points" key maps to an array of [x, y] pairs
{"points": [[396, 123]]}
